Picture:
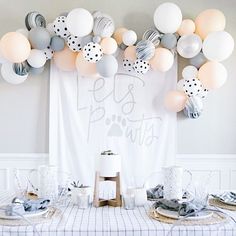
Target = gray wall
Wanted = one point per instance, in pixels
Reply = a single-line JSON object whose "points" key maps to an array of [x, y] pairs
{"points": [[24, 108]]}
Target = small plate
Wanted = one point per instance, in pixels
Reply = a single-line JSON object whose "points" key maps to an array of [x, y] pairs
{"points": [[26, 215], [174, 214]]}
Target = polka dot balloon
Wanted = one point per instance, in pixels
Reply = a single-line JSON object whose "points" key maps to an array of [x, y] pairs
{"points": [[141, 66], [60, 28], [48, 52], [128, 65], [74, 43], [203, 93], [92, 52], [192, 87]]}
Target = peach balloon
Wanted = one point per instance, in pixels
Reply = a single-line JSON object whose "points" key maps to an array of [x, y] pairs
{"points": [[65, 59], [175, 101], [187, 27], [209, 21], [118, 34], [15, 47], [212, 75], [130, 53], [109, 45], [84, 67], [163, 60]]}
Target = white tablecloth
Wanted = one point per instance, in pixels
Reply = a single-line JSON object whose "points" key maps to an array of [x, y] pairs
{"points": [[113, 221]]}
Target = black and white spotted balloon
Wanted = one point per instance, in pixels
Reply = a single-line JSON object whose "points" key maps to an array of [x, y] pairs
{"points": [[203, 93], [192, 86], [128, 65], [48, 52], [60, 28], [141, 66], [194, 107], [34, 19], [92, 52], [74, 43], [145, 50]]}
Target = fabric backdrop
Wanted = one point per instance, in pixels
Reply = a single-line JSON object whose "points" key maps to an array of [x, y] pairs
{"points": [[124, 114]]}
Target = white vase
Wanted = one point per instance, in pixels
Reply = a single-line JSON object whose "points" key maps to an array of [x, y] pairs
{"points": [[75, 192], [109, 165], [140, 196]]}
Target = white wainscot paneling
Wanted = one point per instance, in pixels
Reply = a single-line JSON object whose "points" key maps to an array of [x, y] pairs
{"points": [[22, 164], [218, 170], [222, 168]]}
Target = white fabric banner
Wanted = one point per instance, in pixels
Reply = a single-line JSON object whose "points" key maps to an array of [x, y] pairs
{"points": [[124, 114]]}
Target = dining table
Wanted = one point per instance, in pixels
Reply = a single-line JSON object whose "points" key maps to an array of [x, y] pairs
{"points": [[112, 221]]}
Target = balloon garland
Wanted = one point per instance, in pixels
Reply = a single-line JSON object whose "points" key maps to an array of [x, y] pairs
{"points": [[88, 42]]}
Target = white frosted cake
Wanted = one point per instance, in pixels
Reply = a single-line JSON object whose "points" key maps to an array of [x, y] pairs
{"points": [[109, 164]]}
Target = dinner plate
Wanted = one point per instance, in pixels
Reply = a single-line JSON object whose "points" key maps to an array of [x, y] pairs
{"points": [[174, 214], [28, 214], [228, 203]]}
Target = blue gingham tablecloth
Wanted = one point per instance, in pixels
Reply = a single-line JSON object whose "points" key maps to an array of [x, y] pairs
{"points": [[105, 221]]}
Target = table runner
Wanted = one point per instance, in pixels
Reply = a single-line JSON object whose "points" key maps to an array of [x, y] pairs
{"points": [[113, 221]]}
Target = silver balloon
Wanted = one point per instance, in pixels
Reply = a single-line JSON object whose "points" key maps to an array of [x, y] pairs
{"points": [[198, 60], [22, 68], [103, 26], [36, 71], [169, 41], [34, 19], [152, 35], [194, 107], [107, 66], [122, 46], [189, 46], [145, 50], [39, 38]]}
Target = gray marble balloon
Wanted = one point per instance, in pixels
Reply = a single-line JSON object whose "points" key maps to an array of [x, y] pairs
{"points": [[107, 66], [39, 38], [36, 71], [152, 35], [74, 43], [22, 68], [145, 50], [34, 19], [60, 27], [194, 107], [103, 26], [169, 41], [57, 43], [198, 60]]}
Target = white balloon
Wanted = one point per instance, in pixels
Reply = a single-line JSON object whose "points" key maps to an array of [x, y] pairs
{"points": [[180, 85], [37, 58], [189, 46], [129, 38], [50, 29], [79, 22], [10, 76], [2, 58], [25, 32], [189, 72], [168, 18], [218, 46]]}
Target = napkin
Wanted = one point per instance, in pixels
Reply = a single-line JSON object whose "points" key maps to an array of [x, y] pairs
{"points": [[228, 197], [14, 209], [158, 192], [183, 209]]}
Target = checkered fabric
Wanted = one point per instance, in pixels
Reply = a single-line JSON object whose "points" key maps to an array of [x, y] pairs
{"points": [[110, 221]]}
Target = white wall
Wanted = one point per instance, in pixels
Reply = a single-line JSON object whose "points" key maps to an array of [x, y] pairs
{"points": [[24, 108]]}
